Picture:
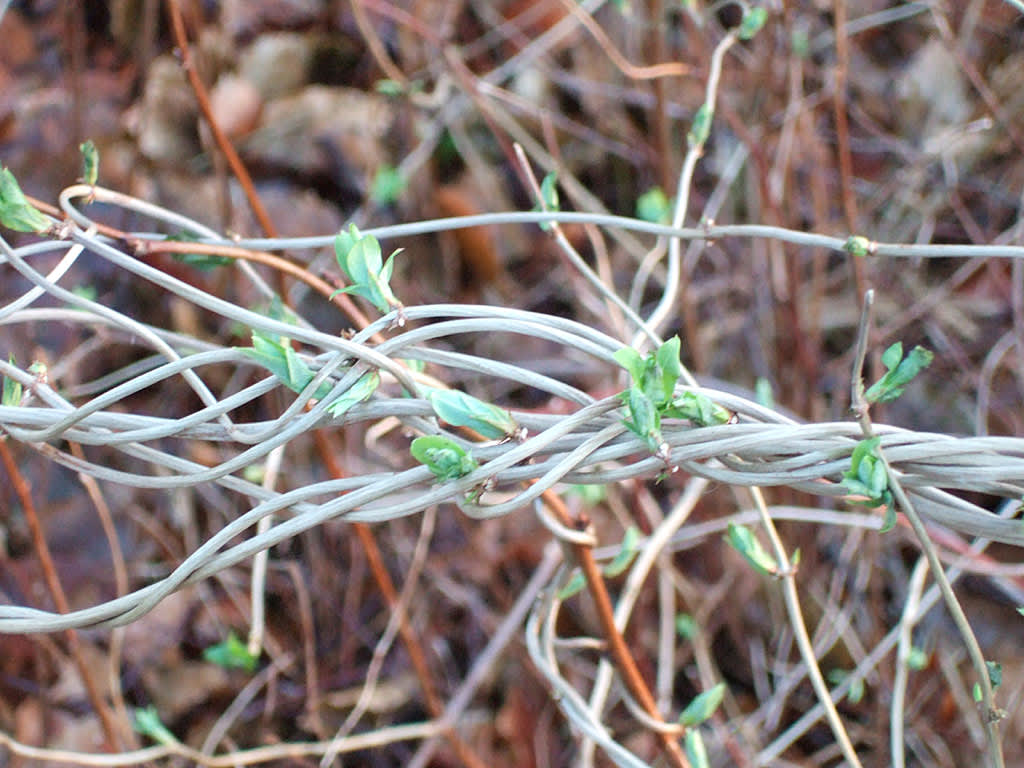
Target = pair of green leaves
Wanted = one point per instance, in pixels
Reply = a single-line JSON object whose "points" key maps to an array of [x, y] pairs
{"points": [[652, 395], [17, 213], [359, 257], [232, 653], [698, 711], [276, 354], [867, 475], [900, 371], [445, 458]]}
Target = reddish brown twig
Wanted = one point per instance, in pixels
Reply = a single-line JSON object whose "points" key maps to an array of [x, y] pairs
{"points": [[57, 594], [328, 454], [220, 138], [620, 653], [282, 265]]}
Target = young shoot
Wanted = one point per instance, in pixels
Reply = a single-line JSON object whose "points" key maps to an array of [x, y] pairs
{"points": [[445, 458], [867, 477], [900, 372], [652, 395], [359, 257]]}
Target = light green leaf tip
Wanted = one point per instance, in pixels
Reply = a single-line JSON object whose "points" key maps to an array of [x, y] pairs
{"points": [[703, 706], [231, 653], [147, 722], [742, 539], [90, 162]]}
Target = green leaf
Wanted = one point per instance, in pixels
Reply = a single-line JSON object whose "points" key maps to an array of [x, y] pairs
{"points": [[656, 375], [856, 691], [695, 750], [574, 586], [995, 673], [147, 722], [669, 367], [642, 417], [549, 196], [388, 183], [442, 456], [631, 360], [389, 87], [627, 551], [743, 541], [276, 354], [654, 206], [900, 372], [365, 386], [201, 261], [16, 212], [701, 128], [976, 692], [800, 44], [462, 410], [651, 396], [892, 356], [232, 653], [90, 162], [12, 388], [917, 659], [87, 292], [867, 477], [878, 482], [686, 626], [269, 353], [703, 706], [752, 22], [359, 257], [889, 518], [698, 408], [592, 495], [763, 393]]}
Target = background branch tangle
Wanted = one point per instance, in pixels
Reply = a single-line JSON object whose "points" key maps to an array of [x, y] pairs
{"points": [[584, 443]]}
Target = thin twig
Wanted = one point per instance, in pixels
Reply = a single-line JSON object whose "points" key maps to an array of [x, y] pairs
{"points": [[223, 142], [620, 652], [53, 584], [991, 714], [787, 572], [632, 71]]}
